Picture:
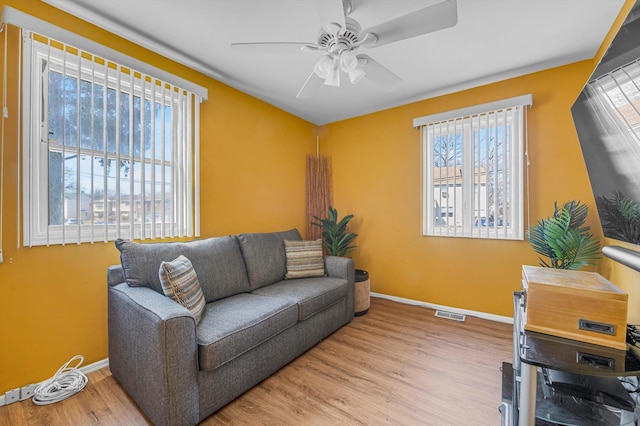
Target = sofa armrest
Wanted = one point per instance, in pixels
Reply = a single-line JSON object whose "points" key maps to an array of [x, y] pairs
{"points": [[343, 267], [153, 353], [115, 275]]}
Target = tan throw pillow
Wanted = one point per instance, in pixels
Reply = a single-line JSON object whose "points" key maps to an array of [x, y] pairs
{"points": [[304, 259], [180, 283]]}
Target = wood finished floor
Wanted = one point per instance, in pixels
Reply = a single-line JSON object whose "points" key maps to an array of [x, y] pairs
{"points": [[397, 365]]}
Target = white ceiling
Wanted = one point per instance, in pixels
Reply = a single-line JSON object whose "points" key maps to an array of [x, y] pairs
{"points": [[493, 40]]}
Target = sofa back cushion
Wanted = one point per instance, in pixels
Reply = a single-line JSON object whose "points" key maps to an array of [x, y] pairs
{"points": [[217, 262], [264, 256]]}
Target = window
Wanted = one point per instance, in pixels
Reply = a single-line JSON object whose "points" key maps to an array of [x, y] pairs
{"points": [[618, 95], [110, 152], [473, 171]]}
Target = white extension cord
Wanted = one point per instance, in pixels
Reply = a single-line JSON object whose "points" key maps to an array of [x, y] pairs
{"points": [[65, 383]]}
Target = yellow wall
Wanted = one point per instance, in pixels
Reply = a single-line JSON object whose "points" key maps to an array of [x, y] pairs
{"points": [[377, 173], [53, 299], [625, 278]]}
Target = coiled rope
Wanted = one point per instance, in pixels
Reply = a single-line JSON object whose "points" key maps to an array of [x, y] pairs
{"points": [[65, 383]]}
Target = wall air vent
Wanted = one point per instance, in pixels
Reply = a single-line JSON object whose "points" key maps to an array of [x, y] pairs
{"points": [[450, 315]]}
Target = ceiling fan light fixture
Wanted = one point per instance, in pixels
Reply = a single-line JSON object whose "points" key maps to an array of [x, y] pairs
{"points": [[333, 77], [348, 60], [323, 66], [356, 75], [349, 64]]}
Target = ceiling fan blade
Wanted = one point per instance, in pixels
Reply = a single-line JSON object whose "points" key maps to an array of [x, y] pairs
{"points": [[274, 47], [310, 87], [432, 18], [379, 74], [331, 11]]}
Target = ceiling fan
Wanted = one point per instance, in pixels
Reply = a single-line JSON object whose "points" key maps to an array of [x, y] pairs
{"points": [[341, 37]]}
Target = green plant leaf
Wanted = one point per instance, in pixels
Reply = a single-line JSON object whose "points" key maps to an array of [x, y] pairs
{"points": [[335, 238], [563, 239]]}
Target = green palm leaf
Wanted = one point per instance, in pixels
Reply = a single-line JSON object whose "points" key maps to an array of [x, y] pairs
{"points": [[563, 239]]}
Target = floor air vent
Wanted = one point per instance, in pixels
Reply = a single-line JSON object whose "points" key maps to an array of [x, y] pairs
{"points": [[450, 315]]}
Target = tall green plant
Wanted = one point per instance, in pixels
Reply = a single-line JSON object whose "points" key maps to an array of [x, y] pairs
{"points": [[620, 217], [335, 238], [563, 239]]}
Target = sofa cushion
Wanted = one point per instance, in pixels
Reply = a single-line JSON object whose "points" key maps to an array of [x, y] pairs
{"points": [[304, 259], [264, 256], [217, 261], [237, 324], [180, 283], [310, 294]]}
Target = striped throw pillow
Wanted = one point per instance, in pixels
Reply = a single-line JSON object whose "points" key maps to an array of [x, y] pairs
{"points": [[180, 283], [304, 259]]}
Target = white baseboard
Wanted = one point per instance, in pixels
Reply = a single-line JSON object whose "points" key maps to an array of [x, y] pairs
{"points": [[483, 315], [86, 370], [95, 366]]}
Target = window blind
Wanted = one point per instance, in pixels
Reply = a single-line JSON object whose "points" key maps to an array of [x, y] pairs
{"points": [[112, 151], [473, 174]]}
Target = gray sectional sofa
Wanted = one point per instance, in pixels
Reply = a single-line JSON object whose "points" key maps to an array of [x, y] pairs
{"points": [[254, 322]]}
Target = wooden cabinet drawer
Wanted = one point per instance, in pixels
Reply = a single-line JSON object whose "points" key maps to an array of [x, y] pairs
{"points": [[576, 305]]}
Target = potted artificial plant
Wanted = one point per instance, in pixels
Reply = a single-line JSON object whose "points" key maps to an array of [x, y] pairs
{"points": [[335, 238], [563, 239], [338, 241]]}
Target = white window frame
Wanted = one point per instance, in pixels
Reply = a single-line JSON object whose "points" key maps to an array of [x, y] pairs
{"points": [[37, 146], [509, 112]]}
